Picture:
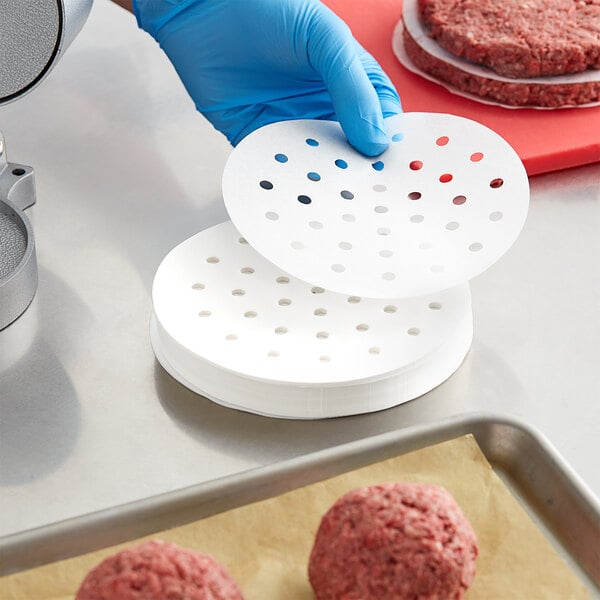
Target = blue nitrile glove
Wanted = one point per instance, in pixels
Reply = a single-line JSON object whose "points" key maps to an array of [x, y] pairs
{"points": [[247, 63]]}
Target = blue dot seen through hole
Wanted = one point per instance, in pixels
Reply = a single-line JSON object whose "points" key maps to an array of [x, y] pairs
{"points": [[346, 195], [313, 176], [342, 164], [397, 137], [266, 185], [378, 166], [282, 158], [304, 199], [312, 142]]}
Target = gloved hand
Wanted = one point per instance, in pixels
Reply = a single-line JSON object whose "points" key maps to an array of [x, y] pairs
{"points": [[247, 63]]}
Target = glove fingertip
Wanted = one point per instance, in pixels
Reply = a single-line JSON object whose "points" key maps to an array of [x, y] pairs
{"points": [[367, 138]]}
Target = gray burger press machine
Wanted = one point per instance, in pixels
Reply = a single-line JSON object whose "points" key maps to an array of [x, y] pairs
{"points": [[33, 36]]}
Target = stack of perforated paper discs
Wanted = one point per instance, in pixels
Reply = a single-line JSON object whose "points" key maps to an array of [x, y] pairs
{"points": [[341, 284]]}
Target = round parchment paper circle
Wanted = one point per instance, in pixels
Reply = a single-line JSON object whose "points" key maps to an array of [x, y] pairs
{"points": [[218, 302], [442, 204]]}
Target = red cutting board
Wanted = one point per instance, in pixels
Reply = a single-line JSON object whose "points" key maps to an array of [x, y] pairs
{"points": [[546, 140]]}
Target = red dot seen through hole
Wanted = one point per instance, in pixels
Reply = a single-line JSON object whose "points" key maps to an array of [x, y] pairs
{"points": [[496, 183], [442, 141], [445, 177], [415, 165], [476, 156], [458, 200]]}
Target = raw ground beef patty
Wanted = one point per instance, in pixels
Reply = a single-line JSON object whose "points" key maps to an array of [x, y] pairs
{"points": [[393, 541], [158, 570], [512, 93], [518, 38]]}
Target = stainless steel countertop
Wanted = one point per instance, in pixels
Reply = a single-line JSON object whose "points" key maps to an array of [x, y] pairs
{"points": [[126, 169]]}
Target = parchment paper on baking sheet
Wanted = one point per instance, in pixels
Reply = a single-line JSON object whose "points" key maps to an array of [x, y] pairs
{"points": [[265, 545], [410, 20]]}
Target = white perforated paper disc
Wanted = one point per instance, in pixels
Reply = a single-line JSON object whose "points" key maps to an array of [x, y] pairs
{"points": [[233, 326], [441, 205]]}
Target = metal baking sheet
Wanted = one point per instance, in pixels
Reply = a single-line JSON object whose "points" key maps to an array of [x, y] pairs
{"points": [[557, 500]]}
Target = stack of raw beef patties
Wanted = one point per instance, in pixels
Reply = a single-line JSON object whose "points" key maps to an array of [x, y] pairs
{"points": [[542, 53]]}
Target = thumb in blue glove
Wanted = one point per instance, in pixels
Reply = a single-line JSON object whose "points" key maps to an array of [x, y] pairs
{"points": [[247, 63]]}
